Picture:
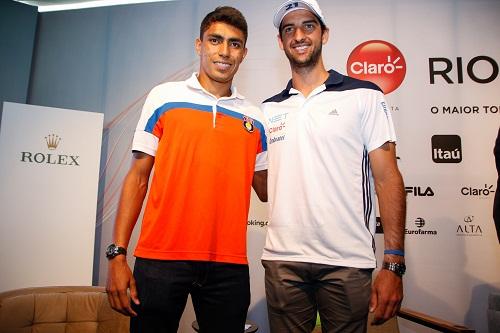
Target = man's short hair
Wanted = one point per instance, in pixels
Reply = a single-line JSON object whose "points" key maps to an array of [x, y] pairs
{"points": [[228, 15]]}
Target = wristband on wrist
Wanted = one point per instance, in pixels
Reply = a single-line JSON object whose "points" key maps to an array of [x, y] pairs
{"points": [[395, 252]]}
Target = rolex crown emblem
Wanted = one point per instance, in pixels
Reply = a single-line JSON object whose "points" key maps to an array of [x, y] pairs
{"points": [[52, 141]]}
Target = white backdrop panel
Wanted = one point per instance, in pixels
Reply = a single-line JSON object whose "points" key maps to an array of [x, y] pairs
{"points": [[49, 175]]}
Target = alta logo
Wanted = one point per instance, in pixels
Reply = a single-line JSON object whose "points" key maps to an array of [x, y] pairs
{"points": [[379, 62], [446, 148], [469, 228]]}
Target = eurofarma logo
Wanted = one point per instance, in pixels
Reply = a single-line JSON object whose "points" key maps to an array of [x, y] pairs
{"points": [[378, 61], [420, 223], [446, 148]]}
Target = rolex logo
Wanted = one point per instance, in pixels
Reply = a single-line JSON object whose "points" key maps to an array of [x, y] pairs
{"points": [[52, 141]]}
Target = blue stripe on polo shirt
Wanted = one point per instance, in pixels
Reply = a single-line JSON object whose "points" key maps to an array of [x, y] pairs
{"points": [[169, 106], [200, 107]]}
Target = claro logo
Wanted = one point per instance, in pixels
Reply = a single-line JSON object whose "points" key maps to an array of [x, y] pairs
{"points": [[478, 192], [379, 62]]}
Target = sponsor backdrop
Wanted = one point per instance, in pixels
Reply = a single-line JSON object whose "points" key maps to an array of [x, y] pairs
{"points": [[437, 62], [48, 171]]}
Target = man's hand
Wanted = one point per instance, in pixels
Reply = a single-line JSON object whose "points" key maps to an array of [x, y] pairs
{"points": [[386, 297], [120, 280]]}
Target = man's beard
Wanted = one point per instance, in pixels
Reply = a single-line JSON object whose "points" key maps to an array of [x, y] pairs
{"points": [[310, 61]]}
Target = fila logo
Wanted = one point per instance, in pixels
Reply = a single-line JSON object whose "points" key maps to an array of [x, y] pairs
{"points": [[418, 191]]}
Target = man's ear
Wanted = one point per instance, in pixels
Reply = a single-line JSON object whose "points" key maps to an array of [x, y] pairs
{"points": [[325, 36], [280, 42], [197, 45], [245, 51]]}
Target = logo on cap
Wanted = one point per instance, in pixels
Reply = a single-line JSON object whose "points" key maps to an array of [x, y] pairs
{"points": [[289, 6], [379, 62]]}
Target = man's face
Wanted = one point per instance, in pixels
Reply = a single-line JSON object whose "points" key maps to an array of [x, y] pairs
{"points": [[221, 51], [301, 38]]}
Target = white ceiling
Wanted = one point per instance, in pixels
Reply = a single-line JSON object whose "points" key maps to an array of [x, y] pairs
{"points": [[53, 5], [55, 2], [50, 2]]}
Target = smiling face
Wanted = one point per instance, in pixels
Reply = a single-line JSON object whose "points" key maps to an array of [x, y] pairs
{"points": [[301, 38], [221, 51]]}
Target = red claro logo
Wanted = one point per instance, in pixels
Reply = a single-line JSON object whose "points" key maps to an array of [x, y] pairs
{"points": [[379, 62]]}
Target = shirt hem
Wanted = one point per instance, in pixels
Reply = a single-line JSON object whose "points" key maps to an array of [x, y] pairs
{"points": [[191, 256], [323, 261]]}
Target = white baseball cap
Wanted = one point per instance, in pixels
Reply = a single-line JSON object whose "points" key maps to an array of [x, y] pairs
{"points": [[291, 5]]}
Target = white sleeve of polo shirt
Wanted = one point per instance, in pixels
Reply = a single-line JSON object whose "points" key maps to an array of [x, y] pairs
{"points": [[144, 140], [376, 123], [261, 161], [261, 158]]}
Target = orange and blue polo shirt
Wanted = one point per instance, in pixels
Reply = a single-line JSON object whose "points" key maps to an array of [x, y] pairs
{"points": [[206, 151]]}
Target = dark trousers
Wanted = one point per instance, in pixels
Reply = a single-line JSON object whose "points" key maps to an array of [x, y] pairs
{"points": [[297, 291], [220, 293]]}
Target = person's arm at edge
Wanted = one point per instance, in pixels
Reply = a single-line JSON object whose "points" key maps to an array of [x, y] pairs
{"points": [[259, 184], [387, 289], [134, 190]]}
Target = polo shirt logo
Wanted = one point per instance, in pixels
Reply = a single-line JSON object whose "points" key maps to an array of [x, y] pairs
{"points": [[248, 124]]}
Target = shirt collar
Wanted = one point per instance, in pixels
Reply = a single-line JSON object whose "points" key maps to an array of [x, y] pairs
{"points": [[193, 83], [334, 78]]}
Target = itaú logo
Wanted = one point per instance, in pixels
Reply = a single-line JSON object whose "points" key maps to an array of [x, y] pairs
{"points": [[379, 62]]}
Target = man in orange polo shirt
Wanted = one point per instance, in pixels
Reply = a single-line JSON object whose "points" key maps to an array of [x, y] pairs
{"points": [[208, 146]]}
